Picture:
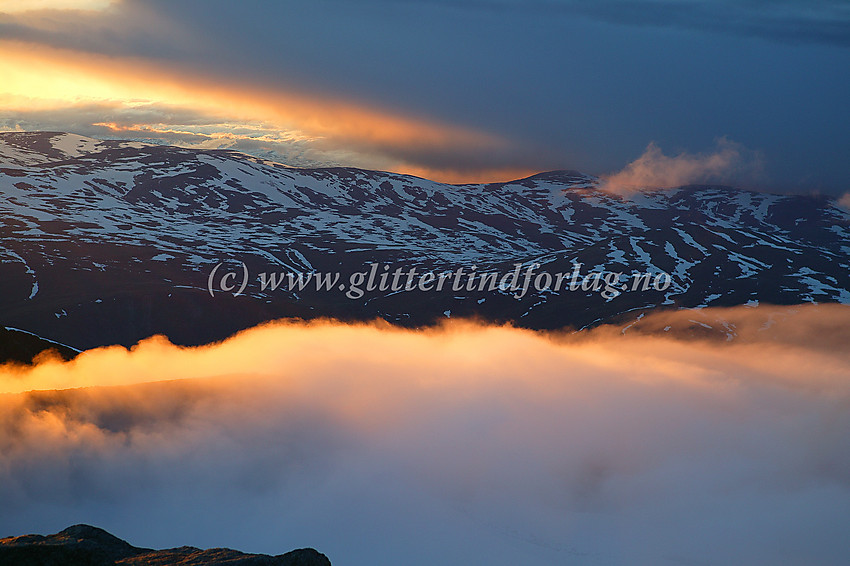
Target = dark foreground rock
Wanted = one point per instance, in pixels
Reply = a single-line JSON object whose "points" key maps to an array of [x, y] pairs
{"points": [[83, 545]]}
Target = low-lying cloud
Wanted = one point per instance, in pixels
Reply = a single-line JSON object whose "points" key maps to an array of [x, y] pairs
{"points": [[729, 163], [465, 444]]}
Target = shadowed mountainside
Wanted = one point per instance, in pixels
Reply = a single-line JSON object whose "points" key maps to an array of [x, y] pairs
{"points": [[23, 347]]}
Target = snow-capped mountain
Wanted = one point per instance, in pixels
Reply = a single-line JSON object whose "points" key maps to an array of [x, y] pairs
{"points": [[110, 242]]}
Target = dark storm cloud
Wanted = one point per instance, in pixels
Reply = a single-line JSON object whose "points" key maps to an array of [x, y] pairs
{"points": [[818, 21], [824, 21]]}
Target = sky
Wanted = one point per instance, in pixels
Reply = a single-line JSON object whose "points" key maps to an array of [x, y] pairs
{"points": [[454, 90], [461, 444]]}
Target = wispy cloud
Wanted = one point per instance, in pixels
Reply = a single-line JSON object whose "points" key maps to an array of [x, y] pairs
{"points": [[729, 163]]}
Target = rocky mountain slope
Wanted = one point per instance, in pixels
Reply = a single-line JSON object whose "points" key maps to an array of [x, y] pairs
{"points": [[109, 242]]}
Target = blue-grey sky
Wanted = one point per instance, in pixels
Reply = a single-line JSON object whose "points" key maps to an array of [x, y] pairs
{"points": [[508, 85]]}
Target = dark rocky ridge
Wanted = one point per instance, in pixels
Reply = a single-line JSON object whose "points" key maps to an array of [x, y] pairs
{"points": [[84, 545]]}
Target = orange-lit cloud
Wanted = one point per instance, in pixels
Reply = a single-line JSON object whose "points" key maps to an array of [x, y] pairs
{"points": [[41, 79], [776, 334], [460, 176], [490, 444], [654, 170]]}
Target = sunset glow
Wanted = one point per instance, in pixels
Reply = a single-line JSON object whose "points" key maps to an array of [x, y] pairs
{"points": [[42, 79], [19, 6]]}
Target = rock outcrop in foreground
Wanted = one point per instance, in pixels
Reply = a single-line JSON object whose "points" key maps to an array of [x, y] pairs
{"points": [[83, 545]]}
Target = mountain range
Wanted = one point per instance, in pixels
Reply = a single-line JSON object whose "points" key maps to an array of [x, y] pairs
{"points": [[109, 242]]}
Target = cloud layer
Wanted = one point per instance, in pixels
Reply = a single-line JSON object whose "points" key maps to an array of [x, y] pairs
{"points": [[463, 444]]}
